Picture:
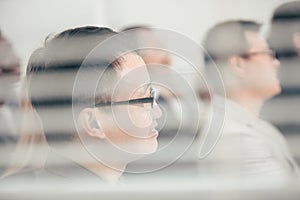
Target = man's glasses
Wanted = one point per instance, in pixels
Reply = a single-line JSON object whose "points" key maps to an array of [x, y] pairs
{"points": [[270, 53], [139, 101]]}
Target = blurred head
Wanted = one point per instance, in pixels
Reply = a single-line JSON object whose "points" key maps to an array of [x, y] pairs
{"points": [[9, 69], [284, 34], [112, 118], [243, 57], [144, 36]]}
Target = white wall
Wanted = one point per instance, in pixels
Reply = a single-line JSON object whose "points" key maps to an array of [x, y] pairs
{"points": [[191, 17], [27, 23]]}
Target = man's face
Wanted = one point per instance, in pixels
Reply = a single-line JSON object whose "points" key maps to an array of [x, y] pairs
{"points": [[260, 75], [131, 127]]}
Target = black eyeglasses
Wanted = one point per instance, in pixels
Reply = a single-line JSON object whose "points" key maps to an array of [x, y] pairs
{"points": [[140, 101], [270, 53]]}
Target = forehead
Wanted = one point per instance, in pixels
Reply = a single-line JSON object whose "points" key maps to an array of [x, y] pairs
{"points": [[130, 62], [133, 74], [256, 41]]}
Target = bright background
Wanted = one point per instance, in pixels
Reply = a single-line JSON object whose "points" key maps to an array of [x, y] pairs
{"points": [[27, 23]]}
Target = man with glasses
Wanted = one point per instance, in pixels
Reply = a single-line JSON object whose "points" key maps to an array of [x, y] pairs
{"points": [[247, 146], [114, 124]]}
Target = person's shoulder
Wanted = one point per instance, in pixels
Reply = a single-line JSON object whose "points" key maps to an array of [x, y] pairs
{"points": [[22, 177], [233, 128], [47, 176], [237, 136], [61, 169]]}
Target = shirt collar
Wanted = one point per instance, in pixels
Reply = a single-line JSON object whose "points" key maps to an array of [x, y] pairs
{"points": [[233, 110]]}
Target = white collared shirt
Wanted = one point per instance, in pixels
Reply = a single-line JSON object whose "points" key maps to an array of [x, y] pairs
{"points": [[247, 145]]}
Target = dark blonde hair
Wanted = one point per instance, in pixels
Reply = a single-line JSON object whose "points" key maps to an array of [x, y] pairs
{"points": [[31, 148]]}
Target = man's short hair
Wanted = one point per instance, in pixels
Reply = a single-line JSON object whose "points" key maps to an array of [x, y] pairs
{"points": [[228, 38]]}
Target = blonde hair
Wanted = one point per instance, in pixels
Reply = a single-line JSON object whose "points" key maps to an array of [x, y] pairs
{"points": [[31, 148]]}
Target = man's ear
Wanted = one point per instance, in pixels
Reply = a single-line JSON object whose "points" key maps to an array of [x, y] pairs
{"points": [[236, 65], [88, 122]]}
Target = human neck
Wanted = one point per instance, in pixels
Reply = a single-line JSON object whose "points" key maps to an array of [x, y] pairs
{"points": [[108, 173], [248, 101]]}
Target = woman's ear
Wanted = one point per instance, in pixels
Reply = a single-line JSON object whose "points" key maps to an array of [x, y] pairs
{"points": [[237, 65], [89, 124]]}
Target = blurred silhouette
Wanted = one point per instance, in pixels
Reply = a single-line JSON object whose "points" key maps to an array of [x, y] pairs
{"points": [[284, 30], [30, 152], [9, 116], [177, 124], [248, 147], [146, 37], [155, 54], [284, 37]]}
